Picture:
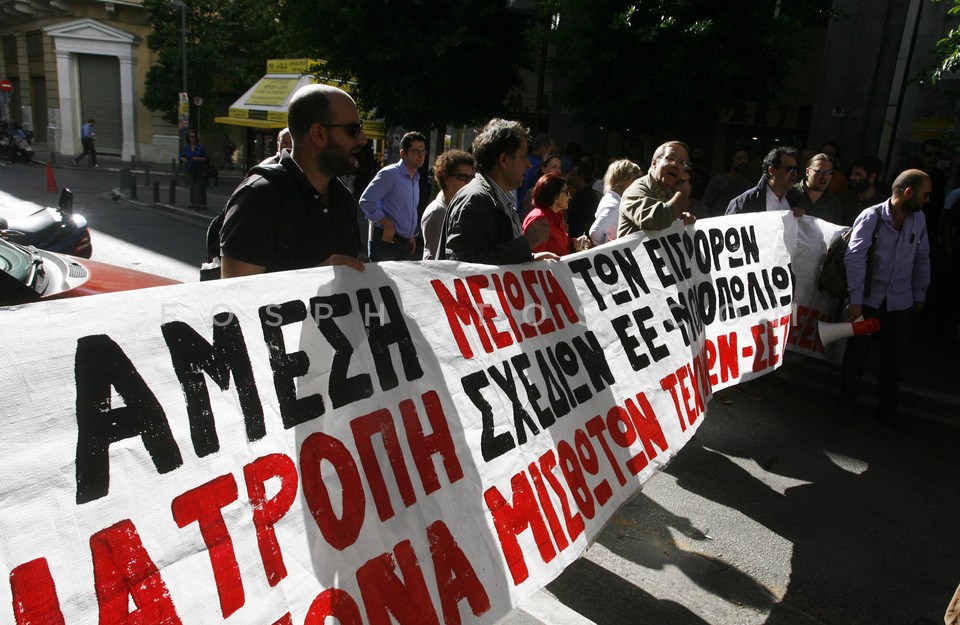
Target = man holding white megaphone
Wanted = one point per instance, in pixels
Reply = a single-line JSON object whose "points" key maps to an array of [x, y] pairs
{"points": [[830, 332], [898, 278]]}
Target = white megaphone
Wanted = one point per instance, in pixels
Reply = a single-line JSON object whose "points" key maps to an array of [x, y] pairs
{"points": [[830, 332]]}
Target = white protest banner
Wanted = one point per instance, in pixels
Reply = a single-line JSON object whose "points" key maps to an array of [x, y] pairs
{"points": [[423, 442], [808, 239]]}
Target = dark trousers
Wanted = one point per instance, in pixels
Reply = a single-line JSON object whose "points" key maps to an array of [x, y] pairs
{"points": [[197, 183], [87, 149], [380, 250], [893, 339]]}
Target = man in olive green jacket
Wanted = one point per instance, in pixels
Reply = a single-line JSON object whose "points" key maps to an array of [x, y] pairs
{"points": [[651, 203]]}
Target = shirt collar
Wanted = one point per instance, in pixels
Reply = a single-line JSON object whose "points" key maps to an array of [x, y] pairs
{"points": [[508, 199]]}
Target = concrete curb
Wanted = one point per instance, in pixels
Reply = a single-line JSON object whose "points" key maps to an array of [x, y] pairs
{"points": [[184, 214]]}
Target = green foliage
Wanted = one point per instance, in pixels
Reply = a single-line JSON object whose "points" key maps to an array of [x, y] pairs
{"points": [[948, 50], [228, 43], [660, 66], [419, 63]]}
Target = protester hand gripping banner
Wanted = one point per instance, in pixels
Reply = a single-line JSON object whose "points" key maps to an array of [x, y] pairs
{"points": [[429, 442]]}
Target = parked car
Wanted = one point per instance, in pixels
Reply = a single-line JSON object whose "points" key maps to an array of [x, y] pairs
{"points": [[28, 274], [53, 228]]}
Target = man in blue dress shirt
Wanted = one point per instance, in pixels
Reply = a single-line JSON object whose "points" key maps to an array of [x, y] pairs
{"points": [[391, 200], [894, 290]]}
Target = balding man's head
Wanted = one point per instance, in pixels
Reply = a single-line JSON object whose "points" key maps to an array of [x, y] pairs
{"points": [[284, 140], [911, 190], [314, 104]]}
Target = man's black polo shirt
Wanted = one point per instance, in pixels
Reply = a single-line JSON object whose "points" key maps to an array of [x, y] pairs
{"points": [[255, 223]]}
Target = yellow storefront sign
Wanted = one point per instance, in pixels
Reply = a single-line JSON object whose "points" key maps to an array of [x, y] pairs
{"points": [[265, 104], [272, 91], [292, 66]]}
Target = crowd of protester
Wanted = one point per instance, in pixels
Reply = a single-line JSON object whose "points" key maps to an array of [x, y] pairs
{"points": [[514, 199]]}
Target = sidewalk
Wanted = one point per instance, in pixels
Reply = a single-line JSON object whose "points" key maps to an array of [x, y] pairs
{"points": [[218, 190], [930, 387]]}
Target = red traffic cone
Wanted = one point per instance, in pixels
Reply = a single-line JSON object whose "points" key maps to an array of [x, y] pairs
{"points": [[51, 183]]}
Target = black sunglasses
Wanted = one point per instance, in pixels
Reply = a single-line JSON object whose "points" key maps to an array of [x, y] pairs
{"points": [[353, 130], [464, 177]]}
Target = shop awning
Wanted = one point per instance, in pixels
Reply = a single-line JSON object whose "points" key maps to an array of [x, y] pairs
{"points": [[265, 104]]}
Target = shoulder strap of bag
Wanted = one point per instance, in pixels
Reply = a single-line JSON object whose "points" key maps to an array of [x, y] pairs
{"points": [[867, 283]]}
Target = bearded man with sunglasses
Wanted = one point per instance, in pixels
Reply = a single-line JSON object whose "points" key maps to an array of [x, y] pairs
{"points": [[298, 214], [780, 174]]}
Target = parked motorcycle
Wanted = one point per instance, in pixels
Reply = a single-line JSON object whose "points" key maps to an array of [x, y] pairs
{"points": [[56, 229], [16, 144]]}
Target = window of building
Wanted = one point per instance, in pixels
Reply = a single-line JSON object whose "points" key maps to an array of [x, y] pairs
{"points": [[10, 49], [35, 45]]}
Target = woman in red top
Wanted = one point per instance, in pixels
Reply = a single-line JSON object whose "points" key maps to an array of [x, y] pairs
{"points": [[550, 198]]}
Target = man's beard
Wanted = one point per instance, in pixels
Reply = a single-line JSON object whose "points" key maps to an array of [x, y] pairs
{"points": [[336, 163], [860, 186], [913, 205]]}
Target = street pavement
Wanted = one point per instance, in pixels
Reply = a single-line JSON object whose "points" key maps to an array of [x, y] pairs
{"points": [[930, 391]]}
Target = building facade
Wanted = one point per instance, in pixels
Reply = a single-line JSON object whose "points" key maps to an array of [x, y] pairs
{"points": [[70, 61]]}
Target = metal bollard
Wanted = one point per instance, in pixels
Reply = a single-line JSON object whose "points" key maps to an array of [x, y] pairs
{"points": [[133, 186], [172, 192], [173, 166], [124, 177], [156, 192], [133, 162], [53, 158], [146, 175]]}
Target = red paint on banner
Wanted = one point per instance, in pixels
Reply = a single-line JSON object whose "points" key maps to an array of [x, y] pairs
{"points": [[335, 603], [590, 477], [35, 599], [804, 331], [404, 596], [531, 303], [267, 512], [456, 578], [122, 569], [204, 505]]}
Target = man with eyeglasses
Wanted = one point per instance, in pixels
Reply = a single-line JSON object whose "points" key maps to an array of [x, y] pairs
{"points": [[770, 194], [298, 214], [391, 200], [653, 202], [812, 194], [452, 171]]}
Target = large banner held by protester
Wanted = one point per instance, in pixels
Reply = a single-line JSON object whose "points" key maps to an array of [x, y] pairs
{"points": [[424, 442]]}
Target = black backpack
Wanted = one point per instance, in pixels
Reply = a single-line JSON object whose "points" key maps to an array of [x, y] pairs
{"points": [[290, 222], [832, 278]]}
